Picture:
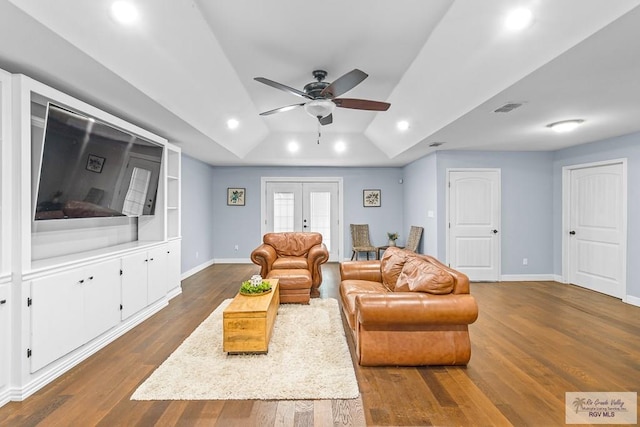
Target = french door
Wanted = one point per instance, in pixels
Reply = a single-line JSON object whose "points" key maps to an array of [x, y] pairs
{"points": [[304, 206], [473, 239]]}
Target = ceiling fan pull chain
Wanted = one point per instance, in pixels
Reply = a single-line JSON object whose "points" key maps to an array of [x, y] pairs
{"points": [[319, 134]]}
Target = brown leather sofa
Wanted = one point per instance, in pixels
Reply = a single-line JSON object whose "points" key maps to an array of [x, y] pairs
{"points": [[407, 309], [295, 259]]}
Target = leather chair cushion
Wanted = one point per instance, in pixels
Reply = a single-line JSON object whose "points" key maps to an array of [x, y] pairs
{"points": [[292, 244], [420, 276], [391, 266], [291, 262]]}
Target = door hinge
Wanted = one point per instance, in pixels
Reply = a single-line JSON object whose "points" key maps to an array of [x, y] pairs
{"points": [[28, 353], [29, 302]]}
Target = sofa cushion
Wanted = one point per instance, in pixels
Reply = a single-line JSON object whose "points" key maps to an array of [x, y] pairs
{"points": [[420, 276], [391, 266], [350, 289]]}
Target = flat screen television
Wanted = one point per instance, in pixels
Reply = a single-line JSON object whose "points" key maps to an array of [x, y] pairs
{"points": [[90, 169]]}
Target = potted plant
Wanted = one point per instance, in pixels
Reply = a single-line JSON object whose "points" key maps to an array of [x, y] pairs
{"points": [[392, 238]]}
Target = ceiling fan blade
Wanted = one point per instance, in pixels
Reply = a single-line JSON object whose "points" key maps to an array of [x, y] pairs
{"points": [[281, 109], [327, 120], [361, 104], [344, 83], [282, 87]]}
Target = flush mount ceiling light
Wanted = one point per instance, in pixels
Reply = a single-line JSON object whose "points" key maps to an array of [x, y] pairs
{"points": [[233, 124], [565, 125], [124, 12], [402, 125], [518, 19], [319, 108]]}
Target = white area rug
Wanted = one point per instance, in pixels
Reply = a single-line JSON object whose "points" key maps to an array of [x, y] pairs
{"points": [[308, 359]]}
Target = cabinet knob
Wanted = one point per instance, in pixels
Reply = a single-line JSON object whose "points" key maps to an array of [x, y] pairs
{"points": [[81, 281], [3, 301], [90, 277]]}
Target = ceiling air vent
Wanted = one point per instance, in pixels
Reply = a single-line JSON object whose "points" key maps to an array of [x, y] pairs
{"points": [[508, 107]]}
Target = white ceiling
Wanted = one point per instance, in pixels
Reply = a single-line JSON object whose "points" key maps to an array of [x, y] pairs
{"points": [[444, 65]]}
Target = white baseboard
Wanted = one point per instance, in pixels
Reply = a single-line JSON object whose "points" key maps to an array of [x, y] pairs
{"points": [[232, 261], [196, 269], [630, 299], [528, 277]]}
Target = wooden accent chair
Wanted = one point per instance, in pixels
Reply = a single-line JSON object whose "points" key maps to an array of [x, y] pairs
{"points": [[415, 234], [360, 240]]}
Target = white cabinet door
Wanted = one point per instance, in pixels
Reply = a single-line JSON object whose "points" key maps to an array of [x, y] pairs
{"points": [[56, 317], [5, 337], [173, 265], [101, 298], [134, 284], [157, 274]]}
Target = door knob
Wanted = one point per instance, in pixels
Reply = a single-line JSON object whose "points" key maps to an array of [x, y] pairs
{"points": [[495, 231], [572, 232]]}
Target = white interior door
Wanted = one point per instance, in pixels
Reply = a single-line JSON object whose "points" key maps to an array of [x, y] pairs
{"points": [[597, 228], [473, 242], [304, 206]]}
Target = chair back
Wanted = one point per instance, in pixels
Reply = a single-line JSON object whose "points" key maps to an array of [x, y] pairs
{"points": [[360, 235], [415, 233]]}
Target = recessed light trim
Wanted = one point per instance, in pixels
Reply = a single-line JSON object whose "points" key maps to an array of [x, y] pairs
{"points": [[518, 19], [293, 147], [124, 12], [402, 125], [340, 147], [233, 124], [565, 125]]}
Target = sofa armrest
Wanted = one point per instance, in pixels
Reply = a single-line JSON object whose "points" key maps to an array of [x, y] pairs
{"points": [[318, 255], [361, 270], [415, 308], [264, 256]]}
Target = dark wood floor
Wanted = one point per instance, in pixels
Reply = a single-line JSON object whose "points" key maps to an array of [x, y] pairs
{"points": [[533, 342]]}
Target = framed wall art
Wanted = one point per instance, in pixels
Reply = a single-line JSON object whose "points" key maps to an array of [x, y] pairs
{"points": [[235, 196], [371, 198], [95, 163]]}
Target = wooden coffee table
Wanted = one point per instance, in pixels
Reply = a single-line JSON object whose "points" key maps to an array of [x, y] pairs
{"points": [[247, 322]]}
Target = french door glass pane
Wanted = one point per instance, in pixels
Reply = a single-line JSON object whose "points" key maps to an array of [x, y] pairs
{"points": [[320, 215], [283, 204], [137, 192]]}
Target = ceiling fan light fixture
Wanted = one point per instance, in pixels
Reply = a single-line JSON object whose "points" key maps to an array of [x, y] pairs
{"points": [[319, 107], [565, 125]]}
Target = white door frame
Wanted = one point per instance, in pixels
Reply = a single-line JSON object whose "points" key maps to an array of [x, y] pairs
{"points": [[566, 202], [263, 203], [447, 213]]}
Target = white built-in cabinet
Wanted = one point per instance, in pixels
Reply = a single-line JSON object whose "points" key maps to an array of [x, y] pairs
{"points": [[72, 308], [5, 336], [70, 287]]}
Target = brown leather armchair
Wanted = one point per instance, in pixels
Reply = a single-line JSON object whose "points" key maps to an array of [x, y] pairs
{"points": [[287, 252]]}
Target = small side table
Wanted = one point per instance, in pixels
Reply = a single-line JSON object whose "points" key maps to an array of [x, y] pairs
{"points": [[384, 248]]}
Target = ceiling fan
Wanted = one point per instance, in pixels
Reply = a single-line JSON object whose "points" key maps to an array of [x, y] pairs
{"points": [[322, 95]]}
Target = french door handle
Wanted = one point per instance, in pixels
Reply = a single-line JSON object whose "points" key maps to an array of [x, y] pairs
{"points": [[572, 232], [494, 231]]}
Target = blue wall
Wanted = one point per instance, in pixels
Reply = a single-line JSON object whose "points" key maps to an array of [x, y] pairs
{"points": [[240, 225], [197, 207], [531, 204], [628, 147]]}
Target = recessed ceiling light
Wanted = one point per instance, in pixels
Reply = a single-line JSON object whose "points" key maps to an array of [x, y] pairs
{"points": [[518, 19], [565, 125], [402, 125], [124, 12], [340, 147], [233, 123], [293, 147]]}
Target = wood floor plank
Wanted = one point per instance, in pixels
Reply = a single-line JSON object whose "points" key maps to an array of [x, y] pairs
{"points": [[532, 342]]}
